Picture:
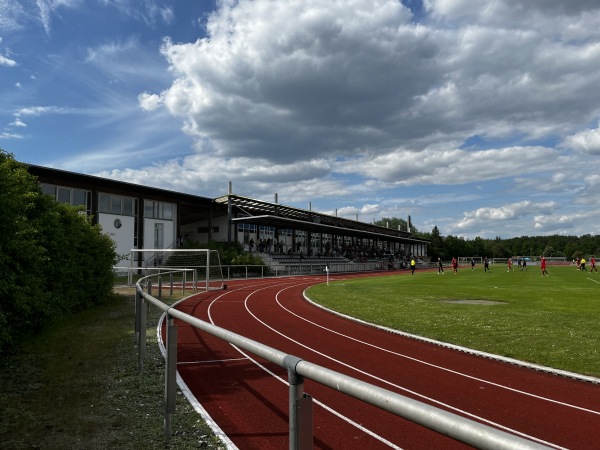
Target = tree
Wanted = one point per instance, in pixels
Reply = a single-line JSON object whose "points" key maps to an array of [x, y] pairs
{"points": [[436, 245], [52, 259]]}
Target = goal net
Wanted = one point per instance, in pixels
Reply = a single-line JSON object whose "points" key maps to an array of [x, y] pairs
{"points": [[206, 265], [466, 260]]}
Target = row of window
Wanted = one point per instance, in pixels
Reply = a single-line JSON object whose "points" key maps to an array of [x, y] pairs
{"points": [[109, 203]]}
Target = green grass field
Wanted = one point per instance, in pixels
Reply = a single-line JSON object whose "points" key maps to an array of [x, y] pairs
{"points": [[552, 321]]}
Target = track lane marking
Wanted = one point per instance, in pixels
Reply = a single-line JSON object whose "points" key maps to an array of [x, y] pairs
{"points": [[318, 402], [438, 402], [518, 391]]}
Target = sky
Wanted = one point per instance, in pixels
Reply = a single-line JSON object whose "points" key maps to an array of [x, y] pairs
{"points": [[478, 117]]}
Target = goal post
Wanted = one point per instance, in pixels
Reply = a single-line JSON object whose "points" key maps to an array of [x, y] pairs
{"points": [[466, 260], [206, 264]]}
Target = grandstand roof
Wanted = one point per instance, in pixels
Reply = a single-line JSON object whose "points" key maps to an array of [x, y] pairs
{"points": [[259, 212]]}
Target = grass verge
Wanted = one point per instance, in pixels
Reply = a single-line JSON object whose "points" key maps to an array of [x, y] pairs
{"points": [[551, 321], [76, 386]]}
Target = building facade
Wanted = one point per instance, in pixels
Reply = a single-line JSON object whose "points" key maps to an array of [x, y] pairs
{"points": [[142, 217]]}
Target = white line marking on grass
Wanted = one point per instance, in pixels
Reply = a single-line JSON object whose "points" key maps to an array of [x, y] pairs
{"points": [[595, 281]]}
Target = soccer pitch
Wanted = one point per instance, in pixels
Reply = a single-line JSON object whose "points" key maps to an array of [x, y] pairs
{"points": [[552, 321]]}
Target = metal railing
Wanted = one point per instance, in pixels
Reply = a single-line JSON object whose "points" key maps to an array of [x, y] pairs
{"points": [[300, 404]]}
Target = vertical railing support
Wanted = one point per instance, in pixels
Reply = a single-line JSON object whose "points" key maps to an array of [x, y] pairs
{"points": [[138, 306], [142, 337], [170, 373], [300, 408]]}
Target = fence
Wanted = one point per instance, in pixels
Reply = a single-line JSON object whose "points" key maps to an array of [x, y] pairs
{"points": [[300, 404], [260, 271]]}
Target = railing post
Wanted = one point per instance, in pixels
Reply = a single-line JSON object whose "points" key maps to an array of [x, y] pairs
{"points": [[138, 306], [160, 288], [300, 408], [142, 337], [170, 373]]}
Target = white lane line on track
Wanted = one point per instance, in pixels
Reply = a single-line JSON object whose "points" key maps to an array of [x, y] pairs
{"points": [[323, 405], [501, 386], [211, 361], [458, 410]]}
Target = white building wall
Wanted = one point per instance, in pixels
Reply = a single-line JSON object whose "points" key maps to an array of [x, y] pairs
{"points": [[169, 233], [123, 236]]}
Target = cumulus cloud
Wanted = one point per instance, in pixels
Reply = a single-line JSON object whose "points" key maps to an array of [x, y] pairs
{"points": [[587, 141], [509, 212], [357, 80], [149, 102], [4, 61]]}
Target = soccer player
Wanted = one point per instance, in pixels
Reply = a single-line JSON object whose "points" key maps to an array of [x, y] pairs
{"points": [[582, 265], [543, 266], [509, 263], [472, 263], [413, 266], [486, 265], [454, 265], [593, 264], [440, 266]]}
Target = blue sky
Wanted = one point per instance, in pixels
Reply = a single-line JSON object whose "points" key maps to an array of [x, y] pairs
{"points": [[479, 117]]}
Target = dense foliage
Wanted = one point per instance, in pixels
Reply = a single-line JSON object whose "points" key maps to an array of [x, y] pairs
{"points": [[53, 261], [570, 247], [446, 247]]}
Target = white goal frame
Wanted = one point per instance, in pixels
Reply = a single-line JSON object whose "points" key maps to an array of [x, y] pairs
{"points": [[466, 260], [205, 263]]}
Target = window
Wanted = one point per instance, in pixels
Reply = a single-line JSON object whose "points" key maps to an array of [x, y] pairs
{"points": [[158, 210], [75, 197], [64, 195], [116, 204]]}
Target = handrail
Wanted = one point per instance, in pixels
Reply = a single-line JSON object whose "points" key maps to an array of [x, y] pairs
{"points": [[452, 425]]}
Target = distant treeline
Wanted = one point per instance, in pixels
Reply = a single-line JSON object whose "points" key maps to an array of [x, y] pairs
{"points": [[446, 247]]}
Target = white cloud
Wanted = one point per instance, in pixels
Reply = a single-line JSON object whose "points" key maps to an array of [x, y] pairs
{"points": [[149, 102], [587, 141], [4, 61], [492, 217]]}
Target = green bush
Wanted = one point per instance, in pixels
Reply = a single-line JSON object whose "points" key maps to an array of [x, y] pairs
{"points": [[53, 261]]}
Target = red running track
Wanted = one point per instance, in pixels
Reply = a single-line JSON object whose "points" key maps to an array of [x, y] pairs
{"points": [[248, 397]]}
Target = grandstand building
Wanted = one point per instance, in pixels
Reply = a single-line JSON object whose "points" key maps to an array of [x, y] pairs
{"points": [[139, 217]]}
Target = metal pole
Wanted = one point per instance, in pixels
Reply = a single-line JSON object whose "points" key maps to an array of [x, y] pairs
{"points": [[300, 408], [142, 338], [207, 268], [138, 305], [170, 373]]}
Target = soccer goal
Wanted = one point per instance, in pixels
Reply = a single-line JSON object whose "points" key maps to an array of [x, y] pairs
{"points": [[205, 263], [466, 260]]}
